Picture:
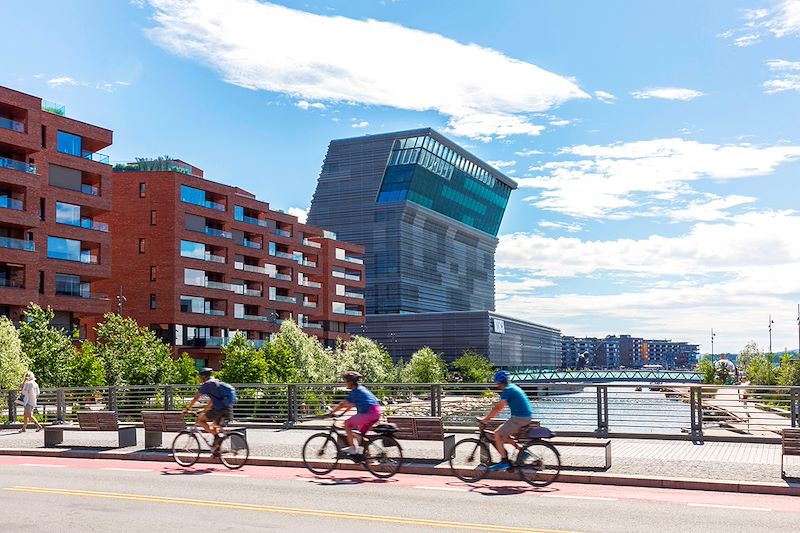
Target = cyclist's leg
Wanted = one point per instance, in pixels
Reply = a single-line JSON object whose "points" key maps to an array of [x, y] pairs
{"points": [[203, 422]]}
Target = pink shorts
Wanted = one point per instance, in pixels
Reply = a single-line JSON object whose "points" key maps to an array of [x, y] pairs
{"points": [[364, 421]]}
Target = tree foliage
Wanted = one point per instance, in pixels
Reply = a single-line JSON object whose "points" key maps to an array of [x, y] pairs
{"points": [[280, 362], [472, 368], [706, 368], [48, 349], [789, 371], [313, 362], [186, 370], [242, 362], [86, 369], [761, 371], [747, 353], [13, 362], [366, 357], [426, 366], [133, 355]]}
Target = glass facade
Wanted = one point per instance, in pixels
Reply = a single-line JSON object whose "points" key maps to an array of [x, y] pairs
{"points": [[68, 214], [67, 249], [196, 250], [67, 143], [426, 172]]}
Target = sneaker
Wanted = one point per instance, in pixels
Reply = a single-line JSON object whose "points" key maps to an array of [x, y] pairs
{"points": [[523, 456], [502, 466]]}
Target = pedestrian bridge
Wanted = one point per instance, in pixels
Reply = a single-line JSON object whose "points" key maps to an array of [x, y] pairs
{"points": [[595, 376]]}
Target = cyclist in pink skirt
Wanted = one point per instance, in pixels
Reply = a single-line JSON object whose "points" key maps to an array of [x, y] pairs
{"points": [[368, 410]]}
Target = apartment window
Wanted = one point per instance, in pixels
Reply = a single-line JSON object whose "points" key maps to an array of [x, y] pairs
{"points": [[152, 301], [70, 285], [69, 144], [152, 272], [192, 249], [41, 282], [142, 190], [153, 217], [42, 206], [238, 310], [141, 246], [194, 277], [193, 304], [69, 214], [67, 249]]}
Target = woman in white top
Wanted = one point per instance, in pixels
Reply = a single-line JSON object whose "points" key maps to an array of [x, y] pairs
{"points": [[30, 390]]}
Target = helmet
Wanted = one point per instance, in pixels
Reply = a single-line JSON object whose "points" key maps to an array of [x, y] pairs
{"points": [[205, 371], [352, 376], [501, 376]]}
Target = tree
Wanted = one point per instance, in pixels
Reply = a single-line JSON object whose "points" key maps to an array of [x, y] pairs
{"points": [[49, 349], [399, 373], [706, 368], [86, 369], [242, 362], [426, 366], [366, 357], [472, 367], [789, 371], [761, 371], [186, 370], [314, 363], [280, 362], [13, 362], [749, 351], [133, 355]]}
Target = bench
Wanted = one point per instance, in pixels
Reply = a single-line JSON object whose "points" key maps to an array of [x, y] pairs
{"points": [[92, 421], [423, 428], [522, 435], [156, 423], [790, 445]]}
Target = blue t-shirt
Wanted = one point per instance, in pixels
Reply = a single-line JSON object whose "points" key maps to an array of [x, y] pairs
{"points": [[362, 398], [517, 400], [211, 389]]}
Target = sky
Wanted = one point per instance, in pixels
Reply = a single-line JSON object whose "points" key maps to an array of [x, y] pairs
{"points": [[656, 144]]}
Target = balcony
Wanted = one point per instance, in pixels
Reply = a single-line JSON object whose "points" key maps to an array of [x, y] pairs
{"points": [[257, 318], [54, 108], [356, 295], [312, 284], [251, 292], [343, 275], [218, 285], [214, 312], [89, 259], [310, 304], [208, 256], [313, 244], [353, 260], [282, 232], [307, 263], [7, 202], [284, 299], [95, 156], [17, 244], [20, 166], [78, 291], [218, 233], [253, 220], [251, 244], [11, 124], [283, 255], [282, 277], [251, 268], [6, 283], [352, 312], [311, 325]]}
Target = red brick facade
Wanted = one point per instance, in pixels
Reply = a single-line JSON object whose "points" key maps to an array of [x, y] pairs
{"points": [[38, 170], [242, 266]]}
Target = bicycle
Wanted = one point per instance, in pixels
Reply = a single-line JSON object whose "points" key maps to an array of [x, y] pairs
{"points": [[382, 455], [537, 462], [232, 448]]}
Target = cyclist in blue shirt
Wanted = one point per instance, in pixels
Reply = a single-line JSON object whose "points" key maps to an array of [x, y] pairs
{"points": [[215, 414], [368, 410], [517, 401]]}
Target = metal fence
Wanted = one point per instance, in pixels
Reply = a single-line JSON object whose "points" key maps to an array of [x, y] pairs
{"points": [[579, 408]]}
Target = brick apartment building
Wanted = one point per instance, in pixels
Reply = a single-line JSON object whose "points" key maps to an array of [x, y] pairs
{"points": [[198, 260], [54, 186]]}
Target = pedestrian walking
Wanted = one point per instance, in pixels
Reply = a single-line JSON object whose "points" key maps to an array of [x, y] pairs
{"points": [[30, 390]]}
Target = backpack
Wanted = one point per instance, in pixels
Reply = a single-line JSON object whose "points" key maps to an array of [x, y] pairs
{"points": [[226, 393]]}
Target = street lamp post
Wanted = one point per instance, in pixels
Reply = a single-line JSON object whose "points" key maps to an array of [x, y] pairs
{"points": [[770, 335], [712, 344], [798, 332], [120, 300]]}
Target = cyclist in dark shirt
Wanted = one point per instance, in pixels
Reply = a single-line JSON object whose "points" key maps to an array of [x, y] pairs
{"points": [[215, 414], [368, 410]]}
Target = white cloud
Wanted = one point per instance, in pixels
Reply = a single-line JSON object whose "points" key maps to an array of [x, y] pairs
{"points": [[662, 285], [68, 81], [560, 122], [781, 20], [667, 93], [500, 164], [305, 105], [605, 97], [746, 40], [300, 213], [570, 228], [782, 64], [323, 58], [362, 124], [527, 152], [787, 80], [608, 181], [61, 81]]}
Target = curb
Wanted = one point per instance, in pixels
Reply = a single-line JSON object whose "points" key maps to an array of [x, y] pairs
{"points": [[411, 467]]}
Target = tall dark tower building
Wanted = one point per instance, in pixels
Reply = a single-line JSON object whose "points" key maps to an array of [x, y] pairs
{"points": [[426, 211]]}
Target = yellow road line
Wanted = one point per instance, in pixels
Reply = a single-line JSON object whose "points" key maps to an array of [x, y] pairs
{"points": [[283, 510]]}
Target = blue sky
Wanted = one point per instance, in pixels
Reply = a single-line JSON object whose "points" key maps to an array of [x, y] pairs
{"points": [[657, 144]]}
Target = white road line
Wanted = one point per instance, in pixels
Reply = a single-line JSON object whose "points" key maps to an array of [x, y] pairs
{"points": [[127, 469], [43, 465], [223, 474], [452, 489], [597, 498], [740, 507]]}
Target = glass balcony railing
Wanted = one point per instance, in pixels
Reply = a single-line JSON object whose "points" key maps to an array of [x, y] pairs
{"points": [[11, 124], [253, 292], [282, 277], [307, 263], [257, 318], [354, 260], [213, 205], [252, 220], [95, 156], [251, 244], [250, 268], [218, 233], [312, 284], [89, 259], [11, 203], [78, 290], [215, 312], [343, 275], [6, 283], [283, 255], [313, 244], [356, 295], [17, 244], [54, 108], [218, 285], [283, 232], [91, 190], [312, 305], [284, 299], [88, 223], [352, 312], [311, 325], [21, 166]]}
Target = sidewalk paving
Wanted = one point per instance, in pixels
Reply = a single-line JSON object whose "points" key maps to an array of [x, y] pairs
{"points": [[733, 462]]}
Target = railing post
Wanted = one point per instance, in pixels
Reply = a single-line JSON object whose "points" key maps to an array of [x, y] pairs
{"points": [[696, 410], [794, 402], [168, 398], [61, 406], [291, 396], [12, 407], [112, 399], [602, 410], [436, 400]]}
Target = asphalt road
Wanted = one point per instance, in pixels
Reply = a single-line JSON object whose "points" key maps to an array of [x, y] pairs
{"points": [[65, 495]]}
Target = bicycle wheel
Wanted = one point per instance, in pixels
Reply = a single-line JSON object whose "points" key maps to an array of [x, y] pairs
{"points": [[234, 451], [539, 463], [470, 460], [320, 453], [186, 448], [383, 456]]}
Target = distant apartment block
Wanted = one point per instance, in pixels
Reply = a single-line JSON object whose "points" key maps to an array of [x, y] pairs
{"points": [[197, 260], [55, 188], [626, 351]]}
